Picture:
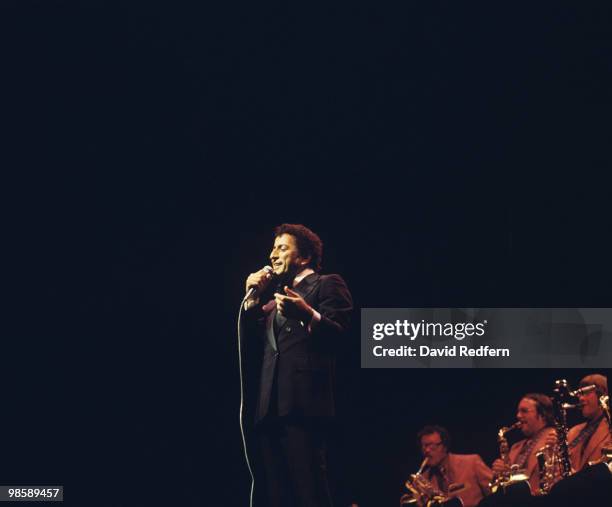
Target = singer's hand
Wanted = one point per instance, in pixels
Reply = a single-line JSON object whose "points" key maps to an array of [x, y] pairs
{"points": [[293, 306], [259, 280]]}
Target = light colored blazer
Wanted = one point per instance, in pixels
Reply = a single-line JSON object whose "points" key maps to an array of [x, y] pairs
{"points": [[592, 452], [470, 470]]}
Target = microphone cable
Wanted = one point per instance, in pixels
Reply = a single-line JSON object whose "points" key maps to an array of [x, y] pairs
{"points": [[268, 270], [240, 369]]}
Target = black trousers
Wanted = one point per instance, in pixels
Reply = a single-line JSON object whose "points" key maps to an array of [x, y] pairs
{"points": [[294, 461]]}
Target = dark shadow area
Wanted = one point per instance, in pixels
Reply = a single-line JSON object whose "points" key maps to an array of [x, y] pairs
{"points": [[447, 155]]}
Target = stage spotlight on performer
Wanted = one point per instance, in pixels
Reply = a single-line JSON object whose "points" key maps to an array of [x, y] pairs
{"points": [[300, 318]]}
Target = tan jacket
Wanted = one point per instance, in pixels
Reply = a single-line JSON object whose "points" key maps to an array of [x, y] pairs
{"points": [[592, 452], [531, 465], [469, 470]]}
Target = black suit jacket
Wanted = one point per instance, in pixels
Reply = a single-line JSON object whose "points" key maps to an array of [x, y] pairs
{"points": [[298, 366]]}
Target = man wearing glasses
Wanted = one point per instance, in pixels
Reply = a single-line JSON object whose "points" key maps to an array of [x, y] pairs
{"points": [[587, 439], [457, 475], [535, 417]]}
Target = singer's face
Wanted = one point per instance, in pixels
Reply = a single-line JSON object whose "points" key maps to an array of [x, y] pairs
{"points": [[590, 405], [527, 414], [285, 257], [433, 448]]}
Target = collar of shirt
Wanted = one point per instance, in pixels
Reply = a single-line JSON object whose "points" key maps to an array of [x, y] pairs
{"points": [[301, 275], [444, 467], [441, 467]]}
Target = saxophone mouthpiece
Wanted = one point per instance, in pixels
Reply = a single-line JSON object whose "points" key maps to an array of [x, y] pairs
{"points": [[570, 406], [423, 465], [506, 429], [583, 390]]}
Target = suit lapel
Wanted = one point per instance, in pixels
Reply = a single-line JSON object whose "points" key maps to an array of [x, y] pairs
{"points": [[307, 285], [271, 314]]}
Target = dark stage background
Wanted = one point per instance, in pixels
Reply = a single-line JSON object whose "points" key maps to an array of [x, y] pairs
{"points": [[448, 154]]}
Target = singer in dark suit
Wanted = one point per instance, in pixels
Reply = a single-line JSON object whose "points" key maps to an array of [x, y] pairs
{"points": [[301, 318]]}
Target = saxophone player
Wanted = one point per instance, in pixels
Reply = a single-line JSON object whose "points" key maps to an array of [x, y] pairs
{"points": [[591, 485], [535, 417], [455, 475], [586, 440]]}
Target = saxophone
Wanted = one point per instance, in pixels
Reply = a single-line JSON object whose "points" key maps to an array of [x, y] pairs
{"points": [[606, 452], [504, 453], [547, 468], [421, 490], [560, 393], [423, 493], [553, 461], [604, 403]]}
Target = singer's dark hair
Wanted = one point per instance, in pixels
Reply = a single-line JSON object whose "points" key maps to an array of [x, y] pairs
{"points": [[435, 428], [544, 406], [308, 243]]}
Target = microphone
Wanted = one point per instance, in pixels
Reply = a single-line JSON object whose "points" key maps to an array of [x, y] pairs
{"points": [[254, 289]]}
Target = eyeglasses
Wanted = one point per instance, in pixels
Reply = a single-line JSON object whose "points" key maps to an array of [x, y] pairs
{"points": [[433, 445]]}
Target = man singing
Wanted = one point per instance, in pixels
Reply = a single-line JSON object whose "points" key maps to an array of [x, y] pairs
{"points": [[302, 319]]}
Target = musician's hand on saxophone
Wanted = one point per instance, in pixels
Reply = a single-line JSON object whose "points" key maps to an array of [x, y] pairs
{"points": [[551, 440], [499, 467]]}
